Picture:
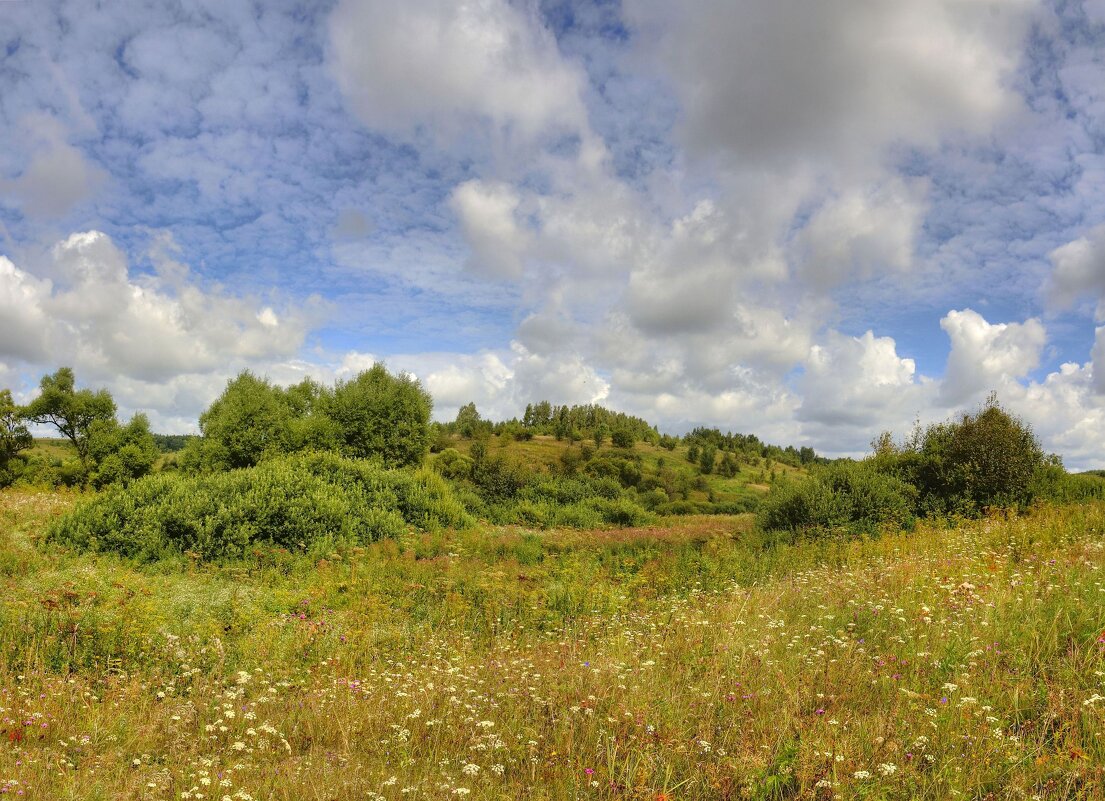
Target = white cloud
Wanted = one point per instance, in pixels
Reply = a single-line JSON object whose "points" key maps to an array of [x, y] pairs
{"points": [[1097, 358], [57, 176], [987, 356], [446, 65], [103, 320], [854, 387], [861, 234], [23, 326], [765, 80], [488, 217], [1078, 270]]}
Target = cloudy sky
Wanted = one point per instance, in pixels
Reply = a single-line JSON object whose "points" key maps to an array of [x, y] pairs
{"points": [[810, 221]]}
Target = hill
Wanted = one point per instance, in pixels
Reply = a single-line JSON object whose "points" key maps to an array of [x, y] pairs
{"points": [[672, 468]]}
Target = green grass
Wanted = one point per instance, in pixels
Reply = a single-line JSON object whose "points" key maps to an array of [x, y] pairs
{"points": [[684, 661]]}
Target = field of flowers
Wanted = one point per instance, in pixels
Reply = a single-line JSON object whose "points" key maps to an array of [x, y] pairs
{"points": [[688, 661]]}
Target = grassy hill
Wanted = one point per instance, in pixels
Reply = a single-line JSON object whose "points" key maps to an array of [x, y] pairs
{"points": [[546, 453]]}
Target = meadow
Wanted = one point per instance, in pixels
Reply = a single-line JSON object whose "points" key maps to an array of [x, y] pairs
{"points": [[693, 659]]}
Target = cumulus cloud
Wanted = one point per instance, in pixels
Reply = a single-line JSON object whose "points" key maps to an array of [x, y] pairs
{"points": [[987, 356], [488, 218], [1097, 358], [860, 234], [766, 80], [99, 316], [854, 387], [56, 177]]}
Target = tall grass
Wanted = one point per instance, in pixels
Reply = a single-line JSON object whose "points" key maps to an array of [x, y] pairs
{"points": [[690, 660]]}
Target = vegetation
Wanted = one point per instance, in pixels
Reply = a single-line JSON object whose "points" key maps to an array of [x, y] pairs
{"points": [[313, 502], [687, 662], [309, 608], [106, 452], [14, 436], [374, 415], [960, 468]]}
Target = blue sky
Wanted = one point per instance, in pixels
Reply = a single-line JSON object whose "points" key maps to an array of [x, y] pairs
{"points": [[808, 224]]}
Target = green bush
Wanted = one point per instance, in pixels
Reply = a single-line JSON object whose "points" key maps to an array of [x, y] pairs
{"points": [[853, 496], [1053, 483], [964, 466], [297, 502]]}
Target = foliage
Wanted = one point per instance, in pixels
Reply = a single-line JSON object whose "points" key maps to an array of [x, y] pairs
{"points": [[733, 668], [622, 437], [303, 502], [14, 436], [468, 422], [852, 496], [374, 415], [120, 454], [453, 465], [1052, 483], [71, 411], [964, 466], [384, 416]]}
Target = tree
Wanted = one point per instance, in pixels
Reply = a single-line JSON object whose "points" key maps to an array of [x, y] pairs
{"points": [[468, 421], [72, 412], [383, 416], [120, 454], [14, 436], [622, 437], [706, 459], [984, 459], [250, 420]]}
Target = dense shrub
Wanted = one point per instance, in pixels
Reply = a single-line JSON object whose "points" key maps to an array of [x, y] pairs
{"points": [[854, 496], [308, 501], [1052, 483], [964, 466]]}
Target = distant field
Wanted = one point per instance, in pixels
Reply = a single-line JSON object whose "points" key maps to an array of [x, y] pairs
{"points": [[683, 661]]}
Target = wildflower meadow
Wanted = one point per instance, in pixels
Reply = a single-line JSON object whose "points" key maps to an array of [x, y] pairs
{"points": [[693, 659]]}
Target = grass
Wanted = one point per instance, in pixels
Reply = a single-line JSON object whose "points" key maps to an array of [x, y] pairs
{"points": [[684, 661]]}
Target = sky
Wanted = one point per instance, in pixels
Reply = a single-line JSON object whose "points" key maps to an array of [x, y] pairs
{"points": [[809, 221]]}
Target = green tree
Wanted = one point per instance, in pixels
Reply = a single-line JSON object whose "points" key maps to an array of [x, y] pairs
{"points": [[71, 411], [382, 415], [622, 437], [468, 422], [983, 459], [119, 454], [249, 421], [706, 459], [14, 436]]}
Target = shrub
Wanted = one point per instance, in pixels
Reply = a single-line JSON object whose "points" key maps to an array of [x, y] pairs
{"points": [[622, 437], [293, 502], [853, 496], [452, 464], [986, 459]]}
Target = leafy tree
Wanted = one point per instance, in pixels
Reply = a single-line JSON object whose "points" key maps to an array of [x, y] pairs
{"points": [[14, 436], [984, 459], [120, 454], [706, 459], [383, 416], [622, 437], [250, 420], [71, 411], [468, 421]]}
